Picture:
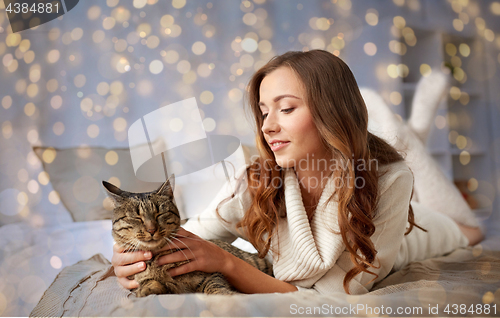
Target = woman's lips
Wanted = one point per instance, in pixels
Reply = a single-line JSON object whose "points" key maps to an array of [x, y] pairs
{"points": [[279, 147]]}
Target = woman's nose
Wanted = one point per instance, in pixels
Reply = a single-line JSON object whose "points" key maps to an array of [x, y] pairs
{"points": [[270, 124]]}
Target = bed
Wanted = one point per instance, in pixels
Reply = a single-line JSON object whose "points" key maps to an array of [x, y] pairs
{"points": [[56, 263], [467, 278]]}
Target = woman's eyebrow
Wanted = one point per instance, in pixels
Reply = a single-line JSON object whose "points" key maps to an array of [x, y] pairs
{"points": [[277, 98]]}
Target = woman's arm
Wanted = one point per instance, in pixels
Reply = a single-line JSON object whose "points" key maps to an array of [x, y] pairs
{"points": [[250, 280], [207, 257]]}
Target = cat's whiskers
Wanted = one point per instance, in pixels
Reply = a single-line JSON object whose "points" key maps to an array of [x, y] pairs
{"points": [[185, 246], [129, 245], [134, 244], [180, 249]]}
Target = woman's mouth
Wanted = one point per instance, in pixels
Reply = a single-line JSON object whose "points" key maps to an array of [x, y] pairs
{"points": [[275, 146]]}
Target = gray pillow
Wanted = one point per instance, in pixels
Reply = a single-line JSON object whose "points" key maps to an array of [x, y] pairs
{"points": [[76, 174]]}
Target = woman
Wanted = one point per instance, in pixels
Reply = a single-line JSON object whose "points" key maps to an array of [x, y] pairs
{"points": [[329, 201]]}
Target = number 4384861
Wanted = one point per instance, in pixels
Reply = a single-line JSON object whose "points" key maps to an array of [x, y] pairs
{"points": [[34, 8]]}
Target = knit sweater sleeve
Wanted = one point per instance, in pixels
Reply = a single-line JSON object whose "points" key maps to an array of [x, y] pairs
{"points": [[209, 225], [390, 222]]}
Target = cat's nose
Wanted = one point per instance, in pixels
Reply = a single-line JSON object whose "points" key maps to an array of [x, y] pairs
{"points": [[151, 230]]}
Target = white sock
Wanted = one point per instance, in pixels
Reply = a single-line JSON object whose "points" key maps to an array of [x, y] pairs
{"points": [[428, 95]]}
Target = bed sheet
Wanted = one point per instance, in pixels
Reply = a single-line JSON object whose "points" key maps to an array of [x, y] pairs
{"points": [[464, 283], [30, 258]]}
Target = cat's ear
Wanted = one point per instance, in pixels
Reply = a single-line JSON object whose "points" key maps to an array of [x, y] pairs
{"points": [[116, 194], [167, 188]]}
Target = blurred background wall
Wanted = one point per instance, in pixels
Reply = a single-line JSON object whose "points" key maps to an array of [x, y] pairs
{"points": [[83, 78]]}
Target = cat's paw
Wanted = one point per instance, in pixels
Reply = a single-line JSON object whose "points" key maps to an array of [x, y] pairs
{"points": [[221, 291], [151, 287]]}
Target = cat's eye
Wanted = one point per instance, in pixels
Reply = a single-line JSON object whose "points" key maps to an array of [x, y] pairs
{"points": [[135, 218]]}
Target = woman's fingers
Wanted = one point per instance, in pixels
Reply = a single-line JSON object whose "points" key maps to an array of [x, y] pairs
{"points": [[183, 269], [178, 256], [127, 283], [128, 264], [120, 259], [129, 270]]}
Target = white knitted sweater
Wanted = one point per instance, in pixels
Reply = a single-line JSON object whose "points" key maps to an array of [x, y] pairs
{"points": [[311, 255]]}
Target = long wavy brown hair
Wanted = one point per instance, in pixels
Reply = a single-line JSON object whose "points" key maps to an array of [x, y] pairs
{"points": [[341, 117]]}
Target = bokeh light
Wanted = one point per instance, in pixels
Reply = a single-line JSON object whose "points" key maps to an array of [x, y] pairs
{"points": [[120, 124], [49, 155], [440, 122], [235, 95], [58, 128], [53, 56], [178, 4], [370, 48], [464, 157], [396, 98], [198, 48], [155, 67], [425, 70], [206, 97], [464, 49], [472, 184], [43, 178], [55, 262], [371, 17], [249, 45], [93, 131], [6, 102], [209, 124], [54, 197]]}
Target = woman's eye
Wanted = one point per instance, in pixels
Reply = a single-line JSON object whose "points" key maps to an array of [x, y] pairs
{"points": [[286, 111]]}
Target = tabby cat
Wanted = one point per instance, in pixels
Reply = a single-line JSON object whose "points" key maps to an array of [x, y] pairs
{"points": [[149, 221]]}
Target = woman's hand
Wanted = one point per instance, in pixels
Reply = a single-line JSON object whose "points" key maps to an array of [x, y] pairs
{"points": [[207, 257], [127, 264], [202, 255]]}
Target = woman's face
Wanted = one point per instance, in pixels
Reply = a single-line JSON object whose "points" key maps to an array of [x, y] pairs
{"points": [[288, 125]]}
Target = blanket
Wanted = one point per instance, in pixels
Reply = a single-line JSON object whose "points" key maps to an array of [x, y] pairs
{"points": [[465, 282]]}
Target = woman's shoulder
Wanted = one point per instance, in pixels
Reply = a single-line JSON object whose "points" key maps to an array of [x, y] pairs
{"points": [[389, 173]]}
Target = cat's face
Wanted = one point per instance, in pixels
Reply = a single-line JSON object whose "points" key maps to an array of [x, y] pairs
{"points": [[144, 221]]}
